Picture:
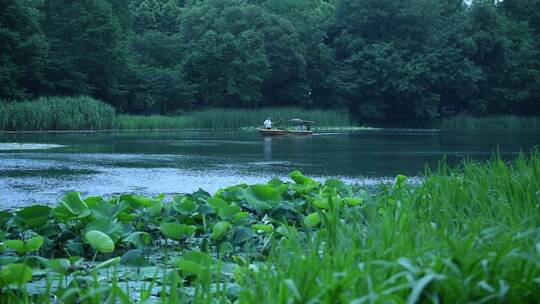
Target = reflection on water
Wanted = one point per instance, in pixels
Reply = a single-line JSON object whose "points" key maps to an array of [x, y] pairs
{"points": [[148, 162], [268, 148]]}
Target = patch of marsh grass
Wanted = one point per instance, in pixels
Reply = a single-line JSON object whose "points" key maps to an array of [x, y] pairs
{"points": [[56, 113]]}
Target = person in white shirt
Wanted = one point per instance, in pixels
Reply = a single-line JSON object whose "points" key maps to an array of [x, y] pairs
{"points": [[268, 123]]}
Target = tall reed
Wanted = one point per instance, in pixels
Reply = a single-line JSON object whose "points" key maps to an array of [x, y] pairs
{"points": [[241, 118], [132, 122], [57, 113], [465, 235], [233, 119]]}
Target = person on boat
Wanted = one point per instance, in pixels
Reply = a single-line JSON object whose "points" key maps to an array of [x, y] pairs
{"points": [[267, 123], [300, 126]]}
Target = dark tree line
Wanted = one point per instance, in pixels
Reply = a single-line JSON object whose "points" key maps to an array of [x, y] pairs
{"points": [[381, 59]]}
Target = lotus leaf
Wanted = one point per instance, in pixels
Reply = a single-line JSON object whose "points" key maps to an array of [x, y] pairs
{"points": [[105, 211], [176, 231], [139, 239], [336, 184], [185, 205], [219, 230], [321, 203], [268, 228], [137, 201], [261, 197], [217, 203], [301, 179], [15, 274], [5, 216], [32, 244], [125, 217], [238, 217], [353, 201], [313, 219], [242, 234], [199, 258], [100, 241], [196, 263], [75, 205], [399, 181], [229, 212], [34, 216], [60, 266], [134, 257], [112, 229], [17, 245]]}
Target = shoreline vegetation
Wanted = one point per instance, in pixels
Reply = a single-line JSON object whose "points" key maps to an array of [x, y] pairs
{"points": [[85, 113], [463, 122], [466, 234], [57, 114]]}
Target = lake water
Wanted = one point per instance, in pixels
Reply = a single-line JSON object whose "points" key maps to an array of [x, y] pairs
{"points": [[41, 167]]}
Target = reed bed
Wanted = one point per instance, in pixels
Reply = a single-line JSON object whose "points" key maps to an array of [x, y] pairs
{"points": [[494, 122], [243, 118], [56, 113], [134, 122]]}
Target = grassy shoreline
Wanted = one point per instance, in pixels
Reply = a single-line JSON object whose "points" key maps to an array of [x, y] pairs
{"points": [[468, 122], [85, 113], [463, 235]]}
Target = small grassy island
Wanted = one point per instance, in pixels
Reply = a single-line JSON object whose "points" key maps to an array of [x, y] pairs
{"points": [[462, 235]]}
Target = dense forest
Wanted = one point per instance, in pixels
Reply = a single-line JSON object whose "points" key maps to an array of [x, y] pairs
{"points": [[380, 59]]}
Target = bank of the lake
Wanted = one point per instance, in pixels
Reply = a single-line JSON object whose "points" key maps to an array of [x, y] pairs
{"points": [[85, 113]]}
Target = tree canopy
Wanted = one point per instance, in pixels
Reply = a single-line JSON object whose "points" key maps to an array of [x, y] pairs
{"points": [[380, 59]]}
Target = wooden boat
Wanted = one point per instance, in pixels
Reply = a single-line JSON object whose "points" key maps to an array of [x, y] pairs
{"points": [[272, 132]]}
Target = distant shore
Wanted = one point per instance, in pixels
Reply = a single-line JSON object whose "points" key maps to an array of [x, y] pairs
{"points": [[85, 114]]}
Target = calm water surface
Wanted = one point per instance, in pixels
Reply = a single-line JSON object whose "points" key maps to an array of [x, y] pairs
{"points": [[152, 162]]}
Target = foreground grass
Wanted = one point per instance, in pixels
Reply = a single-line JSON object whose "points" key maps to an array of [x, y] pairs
{"points": [[464, 235], [495, 122], [56, 113]]}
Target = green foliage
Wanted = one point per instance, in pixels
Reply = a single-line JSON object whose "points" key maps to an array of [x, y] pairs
{"points": [[87, 54], [461, 235], [233, 119], [242, 118], [381, 60], [23, 53], [100, 241], [495, 122], [132, 122], [15, 274], [57, 113], [23, 247]]}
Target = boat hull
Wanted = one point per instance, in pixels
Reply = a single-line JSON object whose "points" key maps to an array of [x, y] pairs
{"points": [[280, 132], [272, 132]]}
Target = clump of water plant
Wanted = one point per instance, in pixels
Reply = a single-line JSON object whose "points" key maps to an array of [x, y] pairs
{"points": [[469, 234]]}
